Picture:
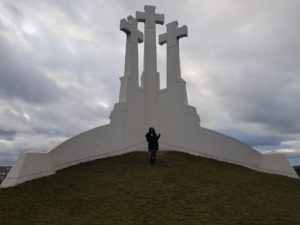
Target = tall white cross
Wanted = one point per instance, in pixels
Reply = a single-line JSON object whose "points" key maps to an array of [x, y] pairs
{"points": [[131, 70], [173, 61], [150, 76], [150, 18]]}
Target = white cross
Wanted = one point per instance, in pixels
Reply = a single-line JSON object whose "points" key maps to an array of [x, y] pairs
{"points": [[173, 34], [130, 28], [149, 17]]}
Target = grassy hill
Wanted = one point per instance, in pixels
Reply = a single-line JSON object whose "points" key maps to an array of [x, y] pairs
{"points": [[179, 189]]}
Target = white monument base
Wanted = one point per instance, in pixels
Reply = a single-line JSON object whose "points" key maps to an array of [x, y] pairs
{"points": [[101, 142]]}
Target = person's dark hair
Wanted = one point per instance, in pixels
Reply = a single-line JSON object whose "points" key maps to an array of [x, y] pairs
{"points": [[151, 129]]}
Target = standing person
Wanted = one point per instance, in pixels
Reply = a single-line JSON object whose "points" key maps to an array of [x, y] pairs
{"points": [[152, 139]]}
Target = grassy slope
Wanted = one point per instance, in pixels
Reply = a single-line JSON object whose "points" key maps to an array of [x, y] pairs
{"points": [[180, 189]]}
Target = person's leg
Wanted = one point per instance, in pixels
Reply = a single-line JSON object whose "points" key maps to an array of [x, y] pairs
{"points": [[150, 154], [152, 157]]}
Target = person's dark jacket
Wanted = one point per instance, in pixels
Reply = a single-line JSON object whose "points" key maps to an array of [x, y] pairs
{"points": [[152, 139]]}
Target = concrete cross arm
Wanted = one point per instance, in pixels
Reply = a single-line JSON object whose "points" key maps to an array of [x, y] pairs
{"points": [[162, 38], [140, 38], [124, 26], [160, 18], [173, 34], [182, 32], [140, 16]]}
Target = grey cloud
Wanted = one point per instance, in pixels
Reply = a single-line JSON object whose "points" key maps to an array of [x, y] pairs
{"points": [[257, 99], [293, 157], [20, 79], [7, 134], [17, 14], [83, 118], [253, 63], [7, 159], [251, 139]]}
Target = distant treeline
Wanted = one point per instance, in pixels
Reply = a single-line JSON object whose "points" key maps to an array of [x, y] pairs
{"points": [[297, 169], [3, 172]]}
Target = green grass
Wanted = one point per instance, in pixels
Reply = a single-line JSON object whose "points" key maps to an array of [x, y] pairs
{"points": [[179, 189]]}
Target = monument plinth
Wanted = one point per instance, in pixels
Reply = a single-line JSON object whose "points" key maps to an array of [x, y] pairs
{"points": [[140, 107]]}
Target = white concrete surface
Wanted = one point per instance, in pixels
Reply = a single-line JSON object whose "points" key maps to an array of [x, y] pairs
{"points": [[141, 107], [150, 76]]}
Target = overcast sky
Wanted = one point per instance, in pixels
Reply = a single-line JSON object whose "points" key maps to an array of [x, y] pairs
{"points": [[60, 63]]}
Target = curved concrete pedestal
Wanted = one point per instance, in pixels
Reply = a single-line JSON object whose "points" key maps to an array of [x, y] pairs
{"points": [[94, 144]]}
